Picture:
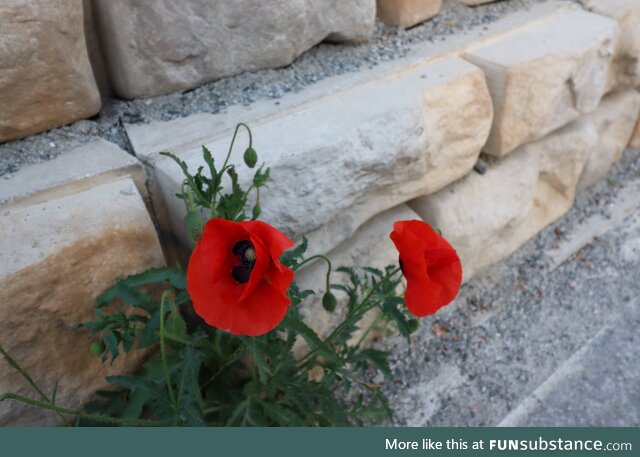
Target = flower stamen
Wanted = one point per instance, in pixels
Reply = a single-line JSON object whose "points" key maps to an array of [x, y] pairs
{"points": [[246, 253]]}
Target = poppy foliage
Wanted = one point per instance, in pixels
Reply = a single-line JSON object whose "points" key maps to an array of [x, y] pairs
{"points": [[234, 278], [430, 265]]}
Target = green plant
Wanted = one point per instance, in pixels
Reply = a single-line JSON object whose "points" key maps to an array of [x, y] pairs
{"points": [[196, 374]]}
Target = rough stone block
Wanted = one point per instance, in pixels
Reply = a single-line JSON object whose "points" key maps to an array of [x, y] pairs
{"points": [[625, 69], [477, 212], [635, 138], [475, 2], [615, 121], [407, 13], [370, 148], [45, 76], [55, 258], [201, 41], [81, 168], [487, 217], [545, 75]]}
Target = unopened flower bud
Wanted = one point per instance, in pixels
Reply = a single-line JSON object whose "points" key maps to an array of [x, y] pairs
{"points": [[256, 211], [413, 325], [97, 348], [329, 302], [250, 157]]}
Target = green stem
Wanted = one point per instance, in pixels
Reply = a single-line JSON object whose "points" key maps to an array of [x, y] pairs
{"points": [[163, 352], [360, 310], [218, 178], [364, 335], [76, 413], [318, 256], [238, 352], [235, 133], [29, 379], [179, 340]]}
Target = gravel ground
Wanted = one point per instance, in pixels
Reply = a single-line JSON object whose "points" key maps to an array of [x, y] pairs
{"points": [[318, 63], [512, 327]]}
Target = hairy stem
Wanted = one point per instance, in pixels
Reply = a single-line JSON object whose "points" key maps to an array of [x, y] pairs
{"points": [[73, 412], [163, 352], [29, 379], [358, 312], [318, 256], [371, 327]]}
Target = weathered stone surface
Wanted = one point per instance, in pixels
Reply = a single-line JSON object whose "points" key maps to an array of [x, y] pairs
{"points": [[487, 217], [55, 258], [596, 387], [369, 247], [529, 189], [94, 50], [84, 167], [478, 213], [45, 75], [625, 69], [545, 75], [635, 138], [407, 13], [475, 2], [424, 130], [206, 40], [615, 120]]}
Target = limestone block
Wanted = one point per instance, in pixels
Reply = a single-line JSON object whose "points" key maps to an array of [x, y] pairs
{"points": [[55, 258], [94, 163], [634, 143], [369, 247], [625, 69], [45, 75], [487, 217], [407, 13], [476, 213], [162, 46], [475, 2], [615, 121], [545, 75], [339, 160]]}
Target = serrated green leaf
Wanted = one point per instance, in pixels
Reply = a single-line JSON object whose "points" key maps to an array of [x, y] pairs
{"points": [[176, 325], [150, 332], [111, 342], [312, 338]]}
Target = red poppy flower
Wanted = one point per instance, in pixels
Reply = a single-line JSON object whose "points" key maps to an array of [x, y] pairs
{"points": [[430, 265], [235, 280]]}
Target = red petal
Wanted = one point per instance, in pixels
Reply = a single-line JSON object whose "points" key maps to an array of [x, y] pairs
{"points": [[430, 265], [253, 308]]}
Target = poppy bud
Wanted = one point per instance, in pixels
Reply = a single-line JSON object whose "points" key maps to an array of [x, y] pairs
{"points": [[250, 157], [329, 301], [195, 225], [256, 211], [97, 348], [413, 325]]}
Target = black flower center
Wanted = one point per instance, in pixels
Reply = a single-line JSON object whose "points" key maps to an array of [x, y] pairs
{"points": [[246, 254]]}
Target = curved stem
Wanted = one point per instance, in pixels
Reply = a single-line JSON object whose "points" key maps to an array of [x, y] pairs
{"points": [[29, 379], [233, 139], [76, 413], [371, 327], [318, 256], [179, 340], [163, 352], [361, 309], [326, 259]]}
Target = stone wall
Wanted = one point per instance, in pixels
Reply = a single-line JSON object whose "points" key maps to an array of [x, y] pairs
{"points": [[488, 136], [56, 60]]}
